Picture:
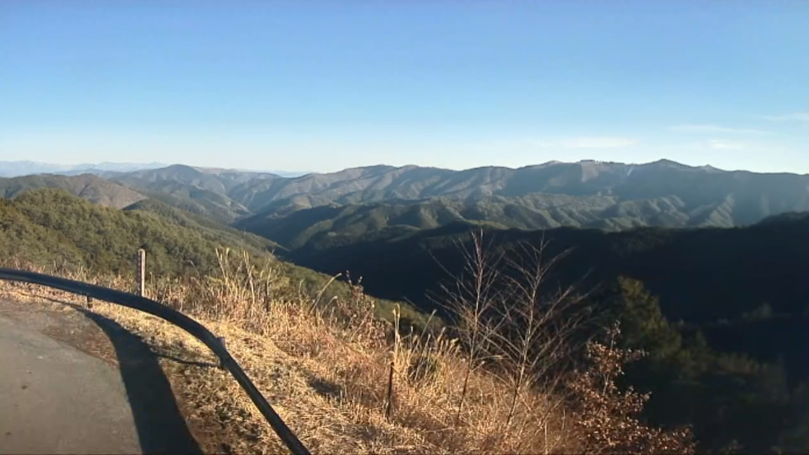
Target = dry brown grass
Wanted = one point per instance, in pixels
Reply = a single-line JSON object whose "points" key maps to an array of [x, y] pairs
{"points": [[346, 382]]}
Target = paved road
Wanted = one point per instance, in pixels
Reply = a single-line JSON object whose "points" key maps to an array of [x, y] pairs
{"points": [[57, 399]]}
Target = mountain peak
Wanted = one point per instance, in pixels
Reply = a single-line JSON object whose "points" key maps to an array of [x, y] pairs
{"points": [[668, 163]]}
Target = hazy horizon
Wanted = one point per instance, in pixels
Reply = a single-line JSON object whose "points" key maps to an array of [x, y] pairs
{"points": [[324, 86], [297, 173]]}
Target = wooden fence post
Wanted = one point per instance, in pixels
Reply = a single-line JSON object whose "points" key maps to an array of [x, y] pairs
{"points": [[141, 276], [390, 404]]}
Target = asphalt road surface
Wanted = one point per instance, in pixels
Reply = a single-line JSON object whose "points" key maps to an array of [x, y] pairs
{"points": [[72, 381], [57, 399]]}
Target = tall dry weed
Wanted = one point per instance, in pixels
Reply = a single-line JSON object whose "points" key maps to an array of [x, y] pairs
{"points": [[496, 382]]}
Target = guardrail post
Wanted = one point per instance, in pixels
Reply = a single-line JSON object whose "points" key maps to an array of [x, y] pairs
{"points": [[141, 276]]}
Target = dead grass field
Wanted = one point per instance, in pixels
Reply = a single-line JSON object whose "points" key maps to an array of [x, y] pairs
{"points": [[346, 382]]}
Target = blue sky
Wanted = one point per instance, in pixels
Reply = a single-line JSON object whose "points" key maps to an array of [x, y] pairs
{"points": [[325, 85]]}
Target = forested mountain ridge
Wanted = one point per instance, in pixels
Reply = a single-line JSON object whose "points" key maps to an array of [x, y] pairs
{"points": [[610, 196], [87, 186], [588, 193], [530, 212]]}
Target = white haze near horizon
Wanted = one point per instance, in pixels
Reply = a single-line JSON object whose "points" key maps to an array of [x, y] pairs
{"points": [[29, 167]]}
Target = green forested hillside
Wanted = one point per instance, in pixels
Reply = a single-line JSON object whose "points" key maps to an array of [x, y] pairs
{"points": [[52, 225], [332, 223], [215, 229], [207, 192], [201, 202], [329, 224], [94, 189], [47, 226], [699, 273]]}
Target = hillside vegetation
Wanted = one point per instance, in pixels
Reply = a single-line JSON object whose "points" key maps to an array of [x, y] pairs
{"points": [[54, 227], [700, 273], [344, 380], [95, 189], [714, 307], [334, 224], [204, 192]]}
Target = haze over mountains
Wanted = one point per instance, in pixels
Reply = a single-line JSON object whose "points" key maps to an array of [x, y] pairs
{"points": [[23, 168], [611, 196]]}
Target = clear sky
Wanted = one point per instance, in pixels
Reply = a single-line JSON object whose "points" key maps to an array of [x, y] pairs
{"points": [[324, 85]]}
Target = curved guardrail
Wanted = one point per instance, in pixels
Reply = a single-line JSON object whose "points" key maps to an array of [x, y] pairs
{"points": [[182, 321]]}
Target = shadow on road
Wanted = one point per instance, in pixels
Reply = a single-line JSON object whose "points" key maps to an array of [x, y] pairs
{"points": [[160, 425]]}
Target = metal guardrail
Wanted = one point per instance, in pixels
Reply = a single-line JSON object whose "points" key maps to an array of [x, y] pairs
{"points": [[174, 317]]}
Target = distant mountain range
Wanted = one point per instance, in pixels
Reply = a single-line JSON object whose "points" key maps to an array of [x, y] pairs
{"points": [[610, 196], [23, 168]]}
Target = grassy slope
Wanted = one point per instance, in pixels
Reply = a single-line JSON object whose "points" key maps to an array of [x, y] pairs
{"points": [[328, 378]]}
